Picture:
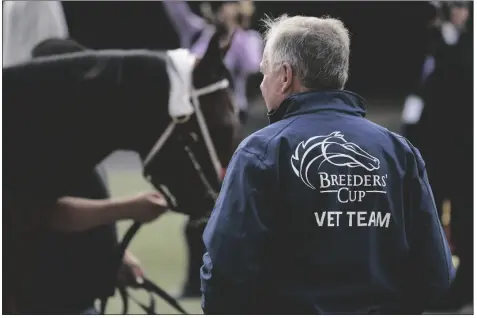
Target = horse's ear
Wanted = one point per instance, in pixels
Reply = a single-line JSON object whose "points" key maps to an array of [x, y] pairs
{"points": [[219, 45], [213, 50], [226, 43]]}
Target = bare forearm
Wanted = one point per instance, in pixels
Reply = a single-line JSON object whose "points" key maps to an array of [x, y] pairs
{"points": [[76, 214]]}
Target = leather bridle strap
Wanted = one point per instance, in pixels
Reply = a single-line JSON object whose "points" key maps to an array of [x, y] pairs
{"points": [[223, 84]]}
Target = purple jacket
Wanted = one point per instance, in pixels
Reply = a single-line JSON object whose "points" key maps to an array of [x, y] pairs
{"points": [[243, 57]]}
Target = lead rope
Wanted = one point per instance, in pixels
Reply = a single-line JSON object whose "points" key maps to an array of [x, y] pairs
{"points": [[210, 191], [148, 285]]}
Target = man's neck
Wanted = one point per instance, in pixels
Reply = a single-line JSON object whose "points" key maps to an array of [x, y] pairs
{"points": [[297, 87]]}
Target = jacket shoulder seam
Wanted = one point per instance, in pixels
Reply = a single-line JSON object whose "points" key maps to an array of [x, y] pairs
{"points": [[276, 134]]}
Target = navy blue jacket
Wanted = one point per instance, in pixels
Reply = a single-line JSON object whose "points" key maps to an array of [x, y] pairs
{"points": [[324, 212]]}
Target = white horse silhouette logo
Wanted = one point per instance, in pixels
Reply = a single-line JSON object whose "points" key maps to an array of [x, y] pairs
{"points": [[333, 149]]}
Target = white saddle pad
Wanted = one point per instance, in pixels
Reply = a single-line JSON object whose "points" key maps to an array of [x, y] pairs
{"points": [[180, 76]]}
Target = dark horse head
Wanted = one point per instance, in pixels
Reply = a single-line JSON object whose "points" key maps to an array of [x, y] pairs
{"points": [[189, 159], [63, 114]]}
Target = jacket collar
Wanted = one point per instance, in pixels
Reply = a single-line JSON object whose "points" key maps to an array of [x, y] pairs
{"points": [[315, 101]]}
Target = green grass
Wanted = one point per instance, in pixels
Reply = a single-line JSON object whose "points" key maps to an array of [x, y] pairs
{"points": [[160, 246]]}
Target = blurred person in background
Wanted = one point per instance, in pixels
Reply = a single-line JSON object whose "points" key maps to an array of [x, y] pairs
{"points": [[242, 60], [232, 17], [74, 257], [438, 119]]}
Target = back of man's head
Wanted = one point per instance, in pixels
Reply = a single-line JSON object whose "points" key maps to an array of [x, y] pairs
{"points": [[316, 48]]}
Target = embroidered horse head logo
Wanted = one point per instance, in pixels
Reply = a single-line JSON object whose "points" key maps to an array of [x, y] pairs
{"points": [[333, 149]]}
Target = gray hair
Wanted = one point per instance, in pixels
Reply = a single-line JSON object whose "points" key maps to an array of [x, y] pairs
{"points": [[317, 49]]}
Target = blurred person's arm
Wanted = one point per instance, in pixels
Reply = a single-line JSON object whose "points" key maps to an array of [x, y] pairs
{"points": [[236, 238], [27, 23], [427, 68], [247, 51], [77, 214], [185, 22], [414, 103], [430, 271], [252, 52], [253, 41]]}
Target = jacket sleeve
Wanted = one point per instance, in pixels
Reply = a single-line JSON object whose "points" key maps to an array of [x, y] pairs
{"points": [[431, 269], [236, 238]]}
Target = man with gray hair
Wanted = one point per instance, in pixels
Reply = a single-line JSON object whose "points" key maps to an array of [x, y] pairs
{"points": [[323, 211]]}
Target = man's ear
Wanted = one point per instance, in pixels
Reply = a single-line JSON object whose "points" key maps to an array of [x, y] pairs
{"points": [[287, 77]]}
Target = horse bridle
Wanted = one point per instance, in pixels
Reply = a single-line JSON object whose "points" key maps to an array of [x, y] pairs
{"points": [[131, 232], [196, 93]]}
